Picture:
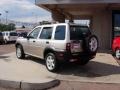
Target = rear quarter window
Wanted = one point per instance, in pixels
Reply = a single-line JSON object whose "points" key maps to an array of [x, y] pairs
{"points": [[60, 32]]}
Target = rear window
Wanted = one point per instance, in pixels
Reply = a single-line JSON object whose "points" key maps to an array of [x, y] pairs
{"points": [[13, 34], [79, 32]]}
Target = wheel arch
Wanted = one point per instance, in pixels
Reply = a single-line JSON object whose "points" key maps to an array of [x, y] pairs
{"points": [[18, 44], [117, 48], [48, 50]]}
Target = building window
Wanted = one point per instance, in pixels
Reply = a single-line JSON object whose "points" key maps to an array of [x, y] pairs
{"points": [[116, 23]]}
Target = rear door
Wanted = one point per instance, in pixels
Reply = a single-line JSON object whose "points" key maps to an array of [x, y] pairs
{"points": [[45, 39], [59, 42]]}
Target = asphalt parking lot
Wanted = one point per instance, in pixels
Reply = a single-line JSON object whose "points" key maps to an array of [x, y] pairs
{"points": [[7, 48], [103, 72]]}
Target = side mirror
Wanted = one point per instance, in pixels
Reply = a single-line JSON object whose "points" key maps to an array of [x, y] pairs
{"points": [[25, 36], [28, 37]]}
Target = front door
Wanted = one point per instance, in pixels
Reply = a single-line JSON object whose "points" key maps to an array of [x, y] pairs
{"points": [[32, 41], [45, 39]]}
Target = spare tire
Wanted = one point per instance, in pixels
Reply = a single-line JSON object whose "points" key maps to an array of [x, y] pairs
{"points": [[91, 44]]}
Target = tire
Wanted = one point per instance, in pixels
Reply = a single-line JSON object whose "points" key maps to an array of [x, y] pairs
{"points": [[117, 53], [91, 44], [51, 62], [20, 52], [1, 43]]}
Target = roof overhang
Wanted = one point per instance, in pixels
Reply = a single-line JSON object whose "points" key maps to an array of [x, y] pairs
{"points": [[78, 9], [75, 1]]}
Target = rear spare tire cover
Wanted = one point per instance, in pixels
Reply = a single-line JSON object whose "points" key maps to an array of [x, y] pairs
{"points": [[92, 44]]}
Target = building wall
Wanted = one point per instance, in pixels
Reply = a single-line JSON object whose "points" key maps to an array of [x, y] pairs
{"points": [[57, 16], [102, 27]]}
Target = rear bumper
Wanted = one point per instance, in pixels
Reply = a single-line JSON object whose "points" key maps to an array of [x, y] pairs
{"points": [[66, 56]]}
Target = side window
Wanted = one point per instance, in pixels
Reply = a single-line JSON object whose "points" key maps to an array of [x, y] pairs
{"points": [[60, 33], [34, 34], [1, 34], [46, 33], [6, 34]]}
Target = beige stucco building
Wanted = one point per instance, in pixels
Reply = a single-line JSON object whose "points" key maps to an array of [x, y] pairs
{"points": [[104, 16]]}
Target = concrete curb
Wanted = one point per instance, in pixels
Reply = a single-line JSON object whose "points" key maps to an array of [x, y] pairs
{"points": [[27, 85], [32, 86], [10, 84]]}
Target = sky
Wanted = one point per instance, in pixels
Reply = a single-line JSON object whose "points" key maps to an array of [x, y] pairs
{"points": [[26, 11], [23, 11]]}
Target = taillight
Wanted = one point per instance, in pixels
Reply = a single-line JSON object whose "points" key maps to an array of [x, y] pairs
{"points": [[68, 46]]}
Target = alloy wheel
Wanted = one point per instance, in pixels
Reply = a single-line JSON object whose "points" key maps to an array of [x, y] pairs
{"points": [[117, 53], [93, 44], [50, 62]]}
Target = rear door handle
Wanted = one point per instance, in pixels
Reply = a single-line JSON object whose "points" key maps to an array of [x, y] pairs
{"points": [[47, 42]]}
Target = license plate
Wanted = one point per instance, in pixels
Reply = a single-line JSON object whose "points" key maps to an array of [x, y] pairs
{"points": [[76, 46]]}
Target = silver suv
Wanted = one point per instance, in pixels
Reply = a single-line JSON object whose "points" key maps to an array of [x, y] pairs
{"points": [[60, 42]]}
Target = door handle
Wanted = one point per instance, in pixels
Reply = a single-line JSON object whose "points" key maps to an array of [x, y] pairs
{"points": [[33, 41], [47, 42]]}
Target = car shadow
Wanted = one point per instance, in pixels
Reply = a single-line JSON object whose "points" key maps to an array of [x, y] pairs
{"points": [[92, 69], [2, 57], [5, 58], [35, 59]]}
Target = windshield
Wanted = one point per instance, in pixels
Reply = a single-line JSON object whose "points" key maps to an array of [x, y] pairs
{"points": [[79, 32], [13, 34]]}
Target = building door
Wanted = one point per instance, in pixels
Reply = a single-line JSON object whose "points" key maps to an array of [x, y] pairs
{"points": [[116, 23]]}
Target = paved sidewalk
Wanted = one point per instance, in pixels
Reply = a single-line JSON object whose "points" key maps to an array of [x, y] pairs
{"points": [[102, 69], [7, 48], [24, 73]]}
